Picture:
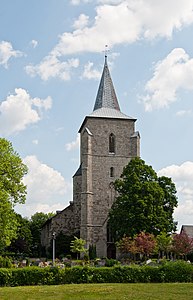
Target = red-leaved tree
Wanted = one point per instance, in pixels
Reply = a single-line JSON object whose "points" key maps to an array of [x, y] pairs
{"points": [[182, 244], [127, 245], [145, 243]]}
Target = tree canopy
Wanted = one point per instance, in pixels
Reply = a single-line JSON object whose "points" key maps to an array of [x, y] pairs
{"points": [[21, 245], [36, 222], [78, 246], [12, 190], [144, 202], [12, 171]]}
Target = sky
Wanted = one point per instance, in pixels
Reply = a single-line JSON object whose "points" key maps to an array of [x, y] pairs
{"points": [[51, 60]]}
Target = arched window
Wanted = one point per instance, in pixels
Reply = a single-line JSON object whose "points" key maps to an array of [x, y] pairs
{"points": [[111, 172], [111, 143]]}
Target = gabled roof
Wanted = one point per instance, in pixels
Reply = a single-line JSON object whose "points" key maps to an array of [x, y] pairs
{"points": [[106, 96], [188, 229]]}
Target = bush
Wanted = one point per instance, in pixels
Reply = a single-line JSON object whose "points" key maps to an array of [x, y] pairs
{"points": [[36, 276], [5, 276], [110, 262], [179, 271], [5, 262]]}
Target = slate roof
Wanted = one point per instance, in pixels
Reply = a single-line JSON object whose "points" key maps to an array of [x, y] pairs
{"points": [[106, 104], [106, 96], [79, 171], [106, 112], [188, 229]]}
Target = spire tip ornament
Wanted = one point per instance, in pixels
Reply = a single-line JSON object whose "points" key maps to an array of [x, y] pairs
{"points": [[106, 51]]}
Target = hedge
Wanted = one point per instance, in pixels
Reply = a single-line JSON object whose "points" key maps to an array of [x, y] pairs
{"points": [[179, 271]]}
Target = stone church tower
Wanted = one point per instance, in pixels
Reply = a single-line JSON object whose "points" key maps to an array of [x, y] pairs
{"points": [[108, 141]]}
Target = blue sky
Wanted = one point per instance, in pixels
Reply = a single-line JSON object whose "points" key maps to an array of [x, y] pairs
{"points": [[51, 59]]}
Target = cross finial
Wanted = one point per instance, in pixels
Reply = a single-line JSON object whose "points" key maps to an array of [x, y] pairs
{"points": [[106, 50]]}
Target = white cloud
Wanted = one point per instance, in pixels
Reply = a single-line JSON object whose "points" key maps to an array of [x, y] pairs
{"points": [[126, 22], [35, 142], [182, 176], [73, 145], [7, 52], [81, 22], [78, 2], [89, 72], [59, 129], [171, 74], [182, 113], [46, 187], [117, 22], [34, 43], [110, 1], [51, 66], [19, 110], [42, 180]]}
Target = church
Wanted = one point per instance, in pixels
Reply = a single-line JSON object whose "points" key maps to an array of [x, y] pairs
{"points": [[108, 141]]}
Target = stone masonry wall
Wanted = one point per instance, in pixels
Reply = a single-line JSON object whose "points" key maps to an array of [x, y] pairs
{"points": [[63, 222], [102, 162]]}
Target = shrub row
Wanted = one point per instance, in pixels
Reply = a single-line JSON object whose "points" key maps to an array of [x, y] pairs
{"points": [[170, 272]]}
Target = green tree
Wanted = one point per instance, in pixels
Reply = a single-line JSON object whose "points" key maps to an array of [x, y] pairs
{"points": [[145, 202], [12, 171], [8, 221], [12, 191], [21, 245], [36, 222], [62, 244], [92, 251], [164, 242], [78, 246]]}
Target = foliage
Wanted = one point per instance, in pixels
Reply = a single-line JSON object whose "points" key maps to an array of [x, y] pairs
{"points": [[62, 248], [35, 276], [145, 243], [12, 171], [8, 221], [182, 244], [179, 271], [12, 191], [127, 245], [36, 222], [92, 251], [164, 243], [21, 245], [78, 246], [5, 262], [110, 262], [145, 202]]}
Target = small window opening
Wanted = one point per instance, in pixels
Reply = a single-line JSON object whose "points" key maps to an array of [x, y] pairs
{"points": [[111, 172], [111, 143]]}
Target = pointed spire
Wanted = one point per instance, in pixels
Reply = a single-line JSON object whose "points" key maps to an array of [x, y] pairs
{"points": [[106, 96]]}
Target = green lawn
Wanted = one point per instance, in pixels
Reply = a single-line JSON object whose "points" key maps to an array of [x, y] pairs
{"points": [[162, 291]]}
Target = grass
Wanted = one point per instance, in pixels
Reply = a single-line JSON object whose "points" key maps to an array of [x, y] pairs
{"points": [[162, 291]]}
